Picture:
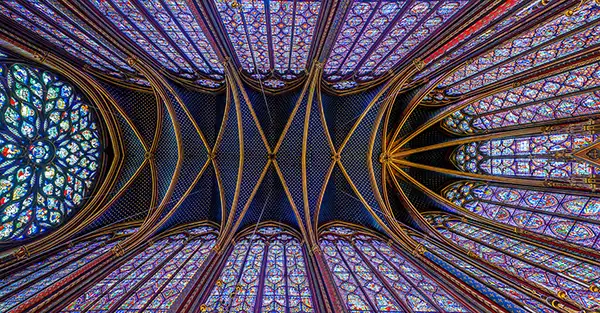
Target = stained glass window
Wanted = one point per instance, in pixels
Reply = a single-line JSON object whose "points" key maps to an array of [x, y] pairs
{"points": [[152, 280], [60, 26], [546, 268], [476, 275], [559, 37], [377, 35], [570, 217], [266, 270], [168, 32], [18, 286], [271, 36], [477, 35], [372, 276], [50, 151], [561, 96], [535, 156]]}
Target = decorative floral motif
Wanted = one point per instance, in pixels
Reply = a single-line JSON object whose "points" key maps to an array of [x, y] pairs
{"points": [[49, 151]]}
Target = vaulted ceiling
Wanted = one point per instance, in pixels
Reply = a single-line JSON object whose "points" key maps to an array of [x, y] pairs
{"points": [[299, 111]]}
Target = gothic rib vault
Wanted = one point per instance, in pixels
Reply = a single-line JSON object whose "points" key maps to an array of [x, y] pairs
{"points": [[299, 156]]}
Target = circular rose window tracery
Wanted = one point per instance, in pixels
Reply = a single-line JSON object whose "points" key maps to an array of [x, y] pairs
{"points": [[49, 151]]}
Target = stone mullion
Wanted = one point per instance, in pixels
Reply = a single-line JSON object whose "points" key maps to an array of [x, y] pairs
{"points": [[524, 288], [385, 283]]}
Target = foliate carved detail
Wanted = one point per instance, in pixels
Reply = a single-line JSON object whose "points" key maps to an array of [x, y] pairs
{"points": [[41, 56], [419, 250], [118, 250], [132, 61], [21, 253], [418, 64]]}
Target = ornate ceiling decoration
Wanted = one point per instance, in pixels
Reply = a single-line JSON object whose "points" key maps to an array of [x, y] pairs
{"points": [[465, 132]]}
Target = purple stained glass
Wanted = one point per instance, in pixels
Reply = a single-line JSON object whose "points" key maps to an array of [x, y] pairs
{"points": [[488, 280], [271, 35], [166, 266], [569, 217], [473, 42], [18, 13], [124, 15], [177, 21], [533, 48], [438, 16], [542, 267], [372, 276], [284, 286], [157, 292], [377, 35], [536, 156], [557, 97], [22, 285]]}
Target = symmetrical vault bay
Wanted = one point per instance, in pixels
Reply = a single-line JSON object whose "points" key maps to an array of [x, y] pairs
{"points": [[300, 156]]}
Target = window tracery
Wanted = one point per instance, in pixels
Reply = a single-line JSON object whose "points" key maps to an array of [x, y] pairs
{"points": [[547, 268], [265, 269], [571, 217], [377, 35], [372, 276], [559, 37], [152, 280], [50, 151], [566, 95], [18, 286], [271, 37]]}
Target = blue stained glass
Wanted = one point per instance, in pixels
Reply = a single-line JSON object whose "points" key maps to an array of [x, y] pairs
{"points": [[536, 156], [284, 285], [124, 15], [377, 35], [498, 63], [573, 218], [471, 42], [21, 15], [271, 36], [488, 280], [180, 25], [542, 267], [372, 276], [49, 151], [560, 96], [20, 286]]}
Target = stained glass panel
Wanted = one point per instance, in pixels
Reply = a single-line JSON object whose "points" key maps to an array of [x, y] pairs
{"points": [[50, 147], [169, 33], [488, 280], [265, 270], [471, 39], [372, 276], [18, 287], [569, 217], [271, 36], [533, 48], [543, 267], [152, 280], [60, 26], [566, 95], [377, 35], [536, 156]]}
